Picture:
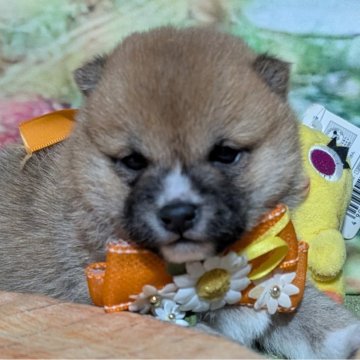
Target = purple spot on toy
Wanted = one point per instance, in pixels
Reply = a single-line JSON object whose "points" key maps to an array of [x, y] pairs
{"points": [[323, 162]]}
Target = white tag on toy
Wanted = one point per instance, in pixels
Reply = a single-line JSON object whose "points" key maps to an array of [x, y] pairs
{"points": [[347, 134]]}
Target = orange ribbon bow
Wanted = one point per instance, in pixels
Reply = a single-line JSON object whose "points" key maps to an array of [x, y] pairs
{"points": [[270, 247], [46, 130]]}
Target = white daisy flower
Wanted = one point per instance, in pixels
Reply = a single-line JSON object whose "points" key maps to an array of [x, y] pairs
{"points": [[274, 292], [170, 311], [213, 283], [151, 296]]}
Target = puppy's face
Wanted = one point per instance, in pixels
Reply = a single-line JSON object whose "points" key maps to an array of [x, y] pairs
{"points": [[185, 141]]}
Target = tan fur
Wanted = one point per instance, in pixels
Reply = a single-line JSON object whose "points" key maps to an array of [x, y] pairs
{"points": [[172, 96], [185, 98]]}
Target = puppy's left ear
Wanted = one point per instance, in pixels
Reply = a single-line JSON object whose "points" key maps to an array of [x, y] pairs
{"points": [[89, 74], [274, 72]]}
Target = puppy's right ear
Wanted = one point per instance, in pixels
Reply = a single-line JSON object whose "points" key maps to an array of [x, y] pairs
{"points": [[274, 72], [89, 75]]}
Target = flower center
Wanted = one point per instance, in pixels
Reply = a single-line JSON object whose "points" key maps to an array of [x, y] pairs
{"points": [[155, 300], [213, 285], [172, 316], [275, 292]]}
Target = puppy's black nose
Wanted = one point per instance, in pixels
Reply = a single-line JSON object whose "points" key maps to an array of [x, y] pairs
{"points": [[178, 217]]}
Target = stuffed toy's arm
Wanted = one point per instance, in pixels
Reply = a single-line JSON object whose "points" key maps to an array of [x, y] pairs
{"points": [[327, 254]]}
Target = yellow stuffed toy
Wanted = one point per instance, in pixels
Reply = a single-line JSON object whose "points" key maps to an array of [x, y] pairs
{"points": [[319, 218]]}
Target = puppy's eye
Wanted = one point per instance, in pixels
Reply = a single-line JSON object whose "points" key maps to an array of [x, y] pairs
{"points": [[135, 161], [224, 154]]}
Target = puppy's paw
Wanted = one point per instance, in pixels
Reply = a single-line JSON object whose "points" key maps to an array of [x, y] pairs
{"points": [[205, 328], [342, 343], [319, 329]]}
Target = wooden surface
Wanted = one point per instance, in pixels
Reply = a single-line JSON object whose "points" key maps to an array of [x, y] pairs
{"points": [[40, 327]]}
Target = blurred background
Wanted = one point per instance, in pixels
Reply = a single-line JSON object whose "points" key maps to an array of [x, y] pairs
{"points": [[43, 41]]}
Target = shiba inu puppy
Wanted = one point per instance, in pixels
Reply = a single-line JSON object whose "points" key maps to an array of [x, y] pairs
{"points": [[184, 141]]}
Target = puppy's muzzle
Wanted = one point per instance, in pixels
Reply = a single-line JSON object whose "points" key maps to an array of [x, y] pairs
{"points": [[178, 217]]}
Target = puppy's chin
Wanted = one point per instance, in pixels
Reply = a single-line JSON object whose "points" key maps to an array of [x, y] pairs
{"points": [[185, 251]]}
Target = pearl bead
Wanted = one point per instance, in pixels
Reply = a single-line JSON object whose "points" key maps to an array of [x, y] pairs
{"points": [[172, 316], [155, 300], [275, 292]]}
